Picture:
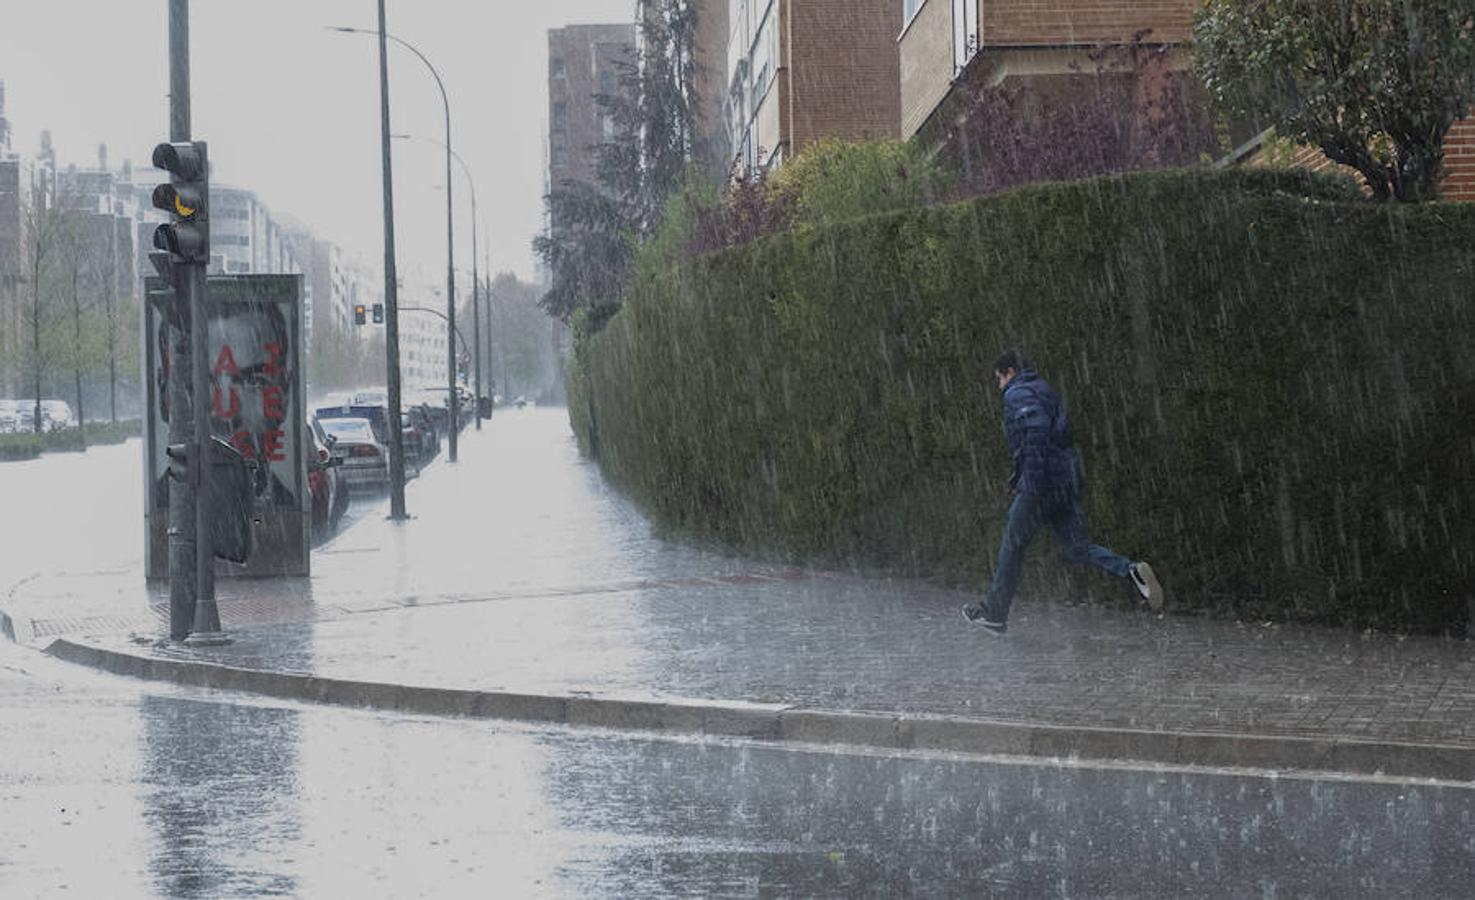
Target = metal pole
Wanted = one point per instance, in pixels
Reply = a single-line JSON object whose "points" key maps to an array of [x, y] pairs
{"points": [[182, 533], [206, 629], [475, 306], [392, 336], [190, 517], [452, 397], [476, 287], [391, 294]]}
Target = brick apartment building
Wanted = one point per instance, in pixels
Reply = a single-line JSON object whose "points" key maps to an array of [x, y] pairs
{"points": [[801, 70], [583, 61], [1042, 43]]}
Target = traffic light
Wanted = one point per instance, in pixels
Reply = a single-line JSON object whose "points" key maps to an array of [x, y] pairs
{"points": [[378, 313], [186, 238], [358, 314]]}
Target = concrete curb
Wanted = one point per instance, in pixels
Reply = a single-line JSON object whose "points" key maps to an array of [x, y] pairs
{"points": [[780, 722]]}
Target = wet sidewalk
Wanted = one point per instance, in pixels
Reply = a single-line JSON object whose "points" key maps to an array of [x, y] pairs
{"points": [[526, 588]]}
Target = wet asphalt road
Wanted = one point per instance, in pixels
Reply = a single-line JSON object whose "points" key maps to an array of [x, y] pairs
{"points": [[116, 788]]}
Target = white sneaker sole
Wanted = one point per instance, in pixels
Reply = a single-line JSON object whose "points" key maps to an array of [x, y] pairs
{"points": [[1148, 586]]}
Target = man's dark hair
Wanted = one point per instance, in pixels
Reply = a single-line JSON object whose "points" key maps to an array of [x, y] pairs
{"points": [[1012, 359]]}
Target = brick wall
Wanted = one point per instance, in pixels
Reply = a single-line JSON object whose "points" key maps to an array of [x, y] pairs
{"points": [[1459, 161], [843, 70], [1036, 22]]}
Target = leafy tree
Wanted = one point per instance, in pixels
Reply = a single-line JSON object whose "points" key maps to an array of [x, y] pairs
{"points": [[45, 245], [524, 358], [1375, 84]]}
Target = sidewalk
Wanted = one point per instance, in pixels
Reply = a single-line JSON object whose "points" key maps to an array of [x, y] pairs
{"points": [[560, 606]]}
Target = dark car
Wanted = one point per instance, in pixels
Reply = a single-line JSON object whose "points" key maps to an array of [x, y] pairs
{"points": [[425, 427], [329, 494], [376, 414], [436, 398]]}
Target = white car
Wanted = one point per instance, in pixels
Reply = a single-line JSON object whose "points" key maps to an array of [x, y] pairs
{"points": [[365, 461], [57, 414], [9, 417]]}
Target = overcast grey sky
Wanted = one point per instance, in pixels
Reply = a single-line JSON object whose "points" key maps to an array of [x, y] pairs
{"points": [[291, 110]]}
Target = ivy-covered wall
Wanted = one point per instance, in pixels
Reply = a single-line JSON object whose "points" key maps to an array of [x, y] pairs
{"points": [[1272, 385]]}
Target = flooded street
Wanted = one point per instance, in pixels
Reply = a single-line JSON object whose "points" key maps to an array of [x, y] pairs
{"points": [[112, 788]]}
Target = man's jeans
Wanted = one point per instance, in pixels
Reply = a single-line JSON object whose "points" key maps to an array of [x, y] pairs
{"points": [[1063, 512]]}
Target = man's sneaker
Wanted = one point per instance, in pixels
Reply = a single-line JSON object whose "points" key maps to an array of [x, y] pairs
{"points": [[1147, 584], [975, 614]]}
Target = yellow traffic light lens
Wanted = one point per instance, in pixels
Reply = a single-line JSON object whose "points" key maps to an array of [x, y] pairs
{"points": [[179, 207]]}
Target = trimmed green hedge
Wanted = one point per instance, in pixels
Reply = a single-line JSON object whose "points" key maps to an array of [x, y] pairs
{"points": [[16, 447], [113, 432], [29, 445], [1272, 385]]}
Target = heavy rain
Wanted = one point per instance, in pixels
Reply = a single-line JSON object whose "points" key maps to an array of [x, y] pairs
{"points": [[733, 448]]}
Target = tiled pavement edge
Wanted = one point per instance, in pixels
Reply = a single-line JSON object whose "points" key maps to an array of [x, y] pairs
{"points": [[782, 722]]}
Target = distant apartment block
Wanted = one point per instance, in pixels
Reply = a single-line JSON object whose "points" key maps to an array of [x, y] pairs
{"points": [[583, 61], [802, 70]]}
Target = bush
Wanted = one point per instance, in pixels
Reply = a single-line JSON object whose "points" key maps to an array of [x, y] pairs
{"points": [[831, 181], [15, 447], [65, 440], [113, 432], [1273, 391]]}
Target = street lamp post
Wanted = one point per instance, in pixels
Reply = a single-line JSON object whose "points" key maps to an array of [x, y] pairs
{"points": [[452, 399], [475, 273]]}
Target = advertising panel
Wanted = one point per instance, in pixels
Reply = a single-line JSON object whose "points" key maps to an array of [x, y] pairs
{"points": [[256, 400]]}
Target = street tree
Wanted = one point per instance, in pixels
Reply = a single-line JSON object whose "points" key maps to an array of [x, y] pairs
{"points": [[524, 356], [45, 243], [594, 227], [1374, 84]]}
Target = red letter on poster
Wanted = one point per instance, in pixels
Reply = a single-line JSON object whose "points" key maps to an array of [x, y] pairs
{"points": [[241, 440], [226, 362], [235, 405], [271, 446]]}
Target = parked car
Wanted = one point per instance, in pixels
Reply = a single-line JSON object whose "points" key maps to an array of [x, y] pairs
{"points": [[377, 415], [424, 423], [364, 460], [9, 417], [58, 414], [437, 399], [324, 482], [54, 414]]}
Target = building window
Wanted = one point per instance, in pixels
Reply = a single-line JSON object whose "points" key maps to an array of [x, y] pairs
{"points": [[556, 68], [560, 116], [607, 82]]}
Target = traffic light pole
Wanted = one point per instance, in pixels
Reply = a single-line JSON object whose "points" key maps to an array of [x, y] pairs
{"points": [[182, 587], [193, 614]]}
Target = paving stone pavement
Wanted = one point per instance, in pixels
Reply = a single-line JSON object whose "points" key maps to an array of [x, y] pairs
{"points": [[575, 596]]}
